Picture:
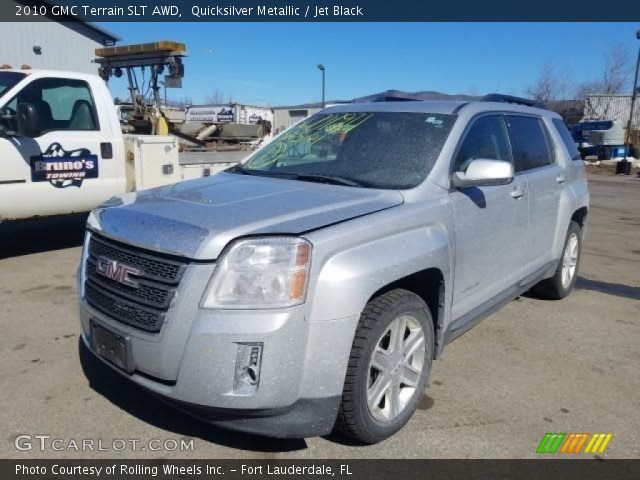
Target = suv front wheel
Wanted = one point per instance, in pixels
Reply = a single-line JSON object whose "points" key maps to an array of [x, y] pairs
{"points": [[388, 368]]}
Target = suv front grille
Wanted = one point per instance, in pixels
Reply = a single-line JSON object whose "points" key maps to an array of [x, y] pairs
{"points": [[143, 306]]}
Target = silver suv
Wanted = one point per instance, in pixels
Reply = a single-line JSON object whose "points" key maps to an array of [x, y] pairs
{"points": [[312, 286]]}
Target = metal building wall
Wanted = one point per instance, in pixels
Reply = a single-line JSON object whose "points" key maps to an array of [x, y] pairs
{"points": [[283, 117], [612, 107], [62, 48]]}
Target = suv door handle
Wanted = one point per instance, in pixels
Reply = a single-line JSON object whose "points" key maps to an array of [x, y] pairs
{"points": [[561, 179], [517, 192]]}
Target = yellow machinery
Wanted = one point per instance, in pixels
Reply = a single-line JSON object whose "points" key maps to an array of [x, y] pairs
{"points": [[164, 57]]}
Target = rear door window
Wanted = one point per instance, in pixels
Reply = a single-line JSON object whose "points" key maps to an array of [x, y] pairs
{"points": [[567, 139], [528, 142]]}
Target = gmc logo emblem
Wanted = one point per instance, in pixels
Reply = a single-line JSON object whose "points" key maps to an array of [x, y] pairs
{"points": [[116, 271]]}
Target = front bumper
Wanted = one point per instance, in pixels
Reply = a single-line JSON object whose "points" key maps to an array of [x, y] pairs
{"points": [[192, 363], [307, 417]]}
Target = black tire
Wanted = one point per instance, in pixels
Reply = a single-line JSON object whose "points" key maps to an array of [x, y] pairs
{"points": [[583, 155], [354, 417], [604, 153], [553, 288]]}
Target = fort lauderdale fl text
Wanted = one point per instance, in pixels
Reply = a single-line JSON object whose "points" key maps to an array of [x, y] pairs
{"points": [[196, 11], [169, 469]]}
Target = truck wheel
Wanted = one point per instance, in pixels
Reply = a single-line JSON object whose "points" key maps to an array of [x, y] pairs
{"points": [[388, 368], [563, 280], [604, 153]]}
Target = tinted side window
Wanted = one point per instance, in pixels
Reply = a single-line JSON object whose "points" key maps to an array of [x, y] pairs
{"points": [[62, 104], [487, 139], [567, 139], [528, 142]]}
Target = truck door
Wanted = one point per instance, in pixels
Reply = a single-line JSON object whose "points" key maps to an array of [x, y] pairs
{"points": [[491, 225], [11, 172], [60, 170]]}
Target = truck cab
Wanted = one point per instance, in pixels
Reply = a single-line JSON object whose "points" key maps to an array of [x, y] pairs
{"points": [[60, 143], [63, 150]]}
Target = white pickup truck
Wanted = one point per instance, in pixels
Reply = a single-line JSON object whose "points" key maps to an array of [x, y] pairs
{"points": [[62, 149]]}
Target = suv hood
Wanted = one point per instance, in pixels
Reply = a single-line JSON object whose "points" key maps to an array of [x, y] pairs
{"points": [[198, 218]]}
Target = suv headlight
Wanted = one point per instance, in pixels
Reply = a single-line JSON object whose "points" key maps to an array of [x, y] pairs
{"points": [[257, 273]]}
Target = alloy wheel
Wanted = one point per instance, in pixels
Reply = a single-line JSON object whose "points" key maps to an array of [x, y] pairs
{"points": [[570, 260], [395, 368]]}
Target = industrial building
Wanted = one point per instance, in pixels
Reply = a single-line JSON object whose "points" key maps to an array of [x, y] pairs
{"points": [[50, 44], [611, 107], [284, 117]]}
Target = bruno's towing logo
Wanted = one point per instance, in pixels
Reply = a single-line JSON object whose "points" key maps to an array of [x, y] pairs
{"points": [[574, 442], [62, 168]]}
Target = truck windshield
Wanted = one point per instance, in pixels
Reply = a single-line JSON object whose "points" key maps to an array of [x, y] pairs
{"points": [[389, 150], [8, 80]]}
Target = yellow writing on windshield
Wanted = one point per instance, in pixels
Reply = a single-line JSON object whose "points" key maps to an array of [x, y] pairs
{"points": [[297, 140]]}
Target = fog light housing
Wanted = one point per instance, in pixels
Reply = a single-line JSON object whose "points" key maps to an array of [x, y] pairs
{"points": [[247, 371]]}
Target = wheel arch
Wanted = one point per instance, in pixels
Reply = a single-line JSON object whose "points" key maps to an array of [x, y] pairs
{"points": [[344, 281], [429, 285], [580, 216]]}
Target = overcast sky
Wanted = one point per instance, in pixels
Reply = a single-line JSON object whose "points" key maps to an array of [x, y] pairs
{"points": [[275, 63]]}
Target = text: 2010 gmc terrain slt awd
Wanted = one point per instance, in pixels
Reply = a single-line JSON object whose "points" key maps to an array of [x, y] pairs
{"points": [[314, 284]]}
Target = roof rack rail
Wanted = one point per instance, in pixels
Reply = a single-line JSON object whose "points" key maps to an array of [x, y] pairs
{"points": [[396, 98], [498, 97]]}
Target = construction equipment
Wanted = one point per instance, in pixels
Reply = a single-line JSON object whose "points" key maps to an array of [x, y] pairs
{"points": [[229, 125], [158, 57], [601, 138]]}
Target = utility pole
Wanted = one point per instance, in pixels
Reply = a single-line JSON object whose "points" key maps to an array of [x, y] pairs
{"points": [[634, 95], [322, 69]]}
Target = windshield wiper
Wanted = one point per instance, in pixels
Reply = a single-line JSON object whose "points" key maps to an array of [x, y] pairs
{"points": [[316, 177], [238, 168], [309, 177]]}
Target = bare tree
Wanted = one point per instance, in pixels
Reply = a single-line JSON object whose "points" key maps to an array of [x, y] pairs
{"points": [[183, 102], [613, 80], [550, 86], [617, 71], [215, 98]]}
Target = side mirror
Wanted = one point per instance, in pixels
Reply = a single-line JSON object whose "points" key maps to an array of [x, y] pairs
{"points": [[484, 173], [27, 121], [7, 123]]}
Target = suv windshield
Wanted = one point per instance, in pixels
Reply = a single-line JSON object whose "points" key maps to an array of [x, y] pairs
{"points": [[391, 150], [8, 80]]}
